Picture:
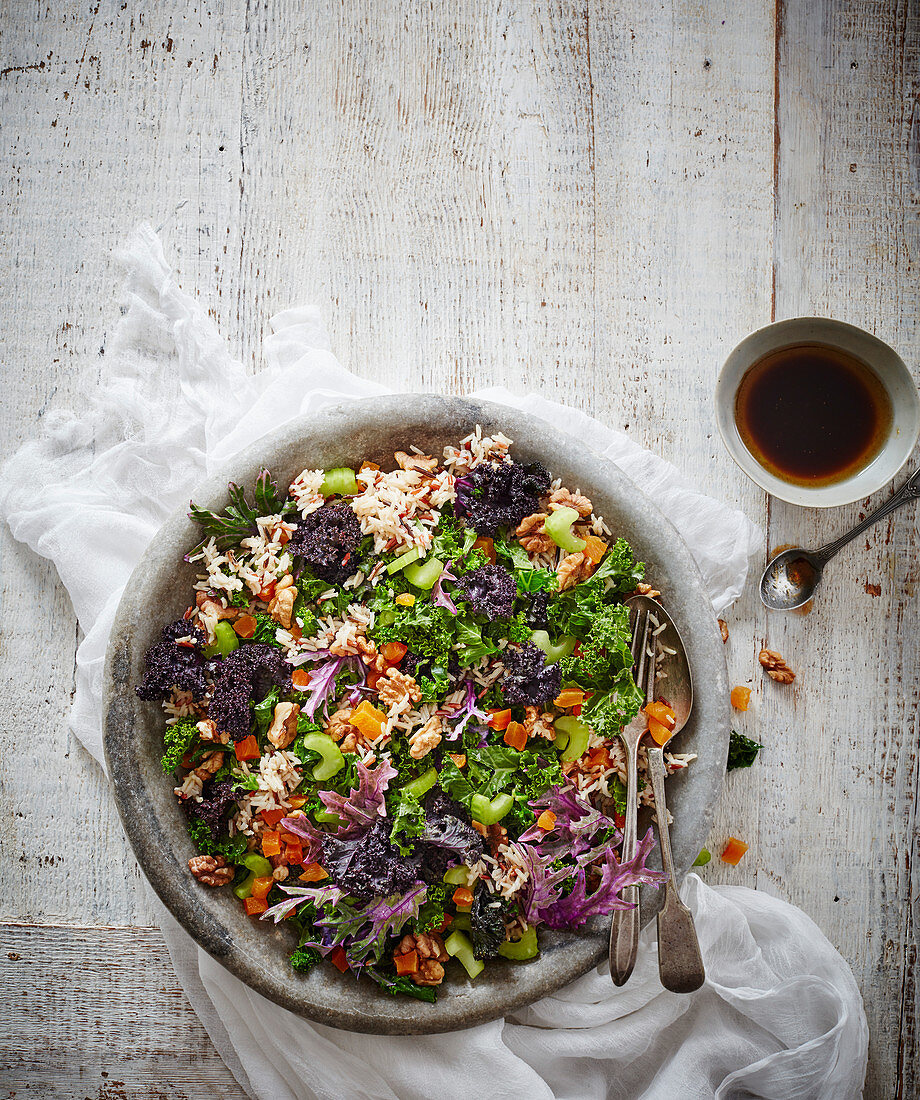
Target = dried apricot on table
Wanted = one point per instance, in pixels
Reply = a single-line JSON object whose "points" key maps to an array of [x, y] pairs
{"points": [[741, 698]]}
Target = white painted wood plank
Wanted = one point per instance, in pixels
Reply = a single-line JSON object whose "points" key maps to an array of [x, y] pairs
{"points": [[98, 1012]]}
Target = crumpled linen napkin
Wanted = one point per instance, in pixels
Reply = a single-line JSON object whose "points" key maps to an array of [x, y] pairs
{"points": [[779, 1015]]}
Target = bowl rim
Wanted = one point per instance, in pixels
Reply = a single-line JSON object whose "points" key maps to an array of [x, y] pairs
{"points": [[324, 999], [898, 447]]}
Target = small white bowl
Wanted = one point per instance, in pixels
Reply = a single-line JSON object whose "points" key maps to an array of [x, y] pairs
{"points": [[886, 364]]}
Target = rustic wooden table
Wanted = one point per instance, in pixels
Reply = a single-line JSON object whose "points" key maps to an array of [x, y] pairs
{"points": [[589, 199]]}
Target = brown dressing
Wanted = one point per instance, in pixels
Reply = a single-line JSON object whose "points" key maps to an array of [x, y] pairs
{"points": [[812, 414]]}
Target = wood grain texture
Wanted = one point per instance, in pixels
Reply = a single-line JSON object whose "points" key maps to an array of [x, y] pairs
{"points": [[588, 200]]}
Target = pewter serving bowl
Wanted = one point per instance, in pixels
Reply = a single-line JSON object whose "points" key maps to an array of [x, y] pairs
{"points": [[158, 592]]}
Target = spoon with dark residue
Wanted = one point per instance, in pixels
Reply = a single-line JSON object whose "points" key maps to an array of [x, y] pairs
{"points": [[790, 579]]}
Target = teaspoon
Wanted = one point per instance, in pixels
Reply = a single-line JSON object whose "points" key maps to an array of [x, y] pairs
{"points": [[791, 578]]}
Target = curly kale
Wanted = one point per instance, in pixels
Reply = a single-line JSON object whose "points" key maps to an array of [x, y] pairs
{"points": [[528, 679], [491, 590], [501, 496], [266, 628], [304, 959], [177, 740], [488, 924], [326, 542], [231, 848], [431, 911], [216, 796], [249, 672], [369, 866], [173, 666], [536, 615]]}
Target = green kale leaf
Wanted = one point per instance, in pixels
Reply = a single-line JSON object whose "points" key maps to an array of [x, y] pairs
{"points": [[742, 751]]}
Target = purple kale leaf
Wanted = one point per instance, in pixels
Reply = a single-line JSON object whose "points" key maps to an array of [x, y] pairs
{"points": [[448, 830], [216, 796], [170, 665], [321, 685], [491, 590], [326, 541], [545, 903], [528, 679], [248, 673], [502, 495], [364, 805], [439, 597], [576, 826], [537, 614], [369, 865], [467, 712], [312, 837]]}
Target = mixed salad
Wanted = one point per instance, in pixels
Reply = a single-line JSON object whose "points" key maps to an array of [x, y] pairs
{"points": [[393, 707]]}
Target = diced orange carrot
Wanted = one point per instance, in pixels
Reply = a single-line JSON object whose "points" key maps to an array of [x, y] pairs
{"points": [[516, 735], [547, 821], [463, 896], [261, 887], [271, 817], [741, 698], [406, 964], [300, 678], [499, 719], [293, 853], [368, 466], [338, 960], [487, 546], [298, 801], [595, 548], [368, 719], [295, 631], [598, 757], [569, 697], [733, 851], [254, 906], [662, 713], [659, 732], [271, 843], [247, 749], [267, 591], [245, 626], [459, 758], [313, 873], [393, 652], [373, 678]]}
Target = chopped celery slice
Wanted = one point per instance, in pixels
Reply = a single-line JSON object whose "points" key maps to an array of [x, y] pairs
{"points": [[457, 876], [486, 812], [703, 858], [461, 923], [560, 740], [524, 948], [459, 947], [416, 788], [340, 481], [423, 574], [327, 817], [403, 560], [225, 640], [563, 648], [258, 867], [578, 734], [332, 759], [558, 525]]}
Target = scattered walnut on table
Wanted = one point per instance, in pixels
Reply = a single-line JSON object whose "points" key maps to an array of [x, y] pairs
{"points": [[532, 536], [775, 667], [211, 870], [562, 498], [723, 626]]}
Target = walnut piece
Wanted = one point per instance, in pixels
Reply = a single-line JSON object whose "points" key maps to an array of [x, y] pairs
{"points": [[370, 655], [723, 626], [537, 724], [283, 729], [646, 590], [281, 605], [339, 726], [775, 667], [424, 739], [573, 569], [207, 727], [431, 953], [396, 686], [562, 498], [532, 536], [211, 870], [421, 464]]}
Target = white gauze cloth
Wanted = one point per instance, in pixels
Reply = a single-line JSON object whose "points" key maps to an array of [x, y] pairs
{"points": [[779, 1015]]}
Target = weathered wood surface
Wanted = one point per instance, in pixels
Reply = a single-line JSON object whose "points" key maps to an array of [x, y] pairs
{"points": [[590, 200]]}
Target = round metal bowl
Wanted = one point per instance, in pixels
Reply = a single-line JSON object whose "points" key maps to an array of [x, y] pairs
{"points": [[158, 592]]}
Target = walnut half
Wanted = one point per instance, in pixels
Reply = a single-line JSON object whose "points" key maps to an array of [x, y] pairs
{"points": [[211, 870], [775, 667]]}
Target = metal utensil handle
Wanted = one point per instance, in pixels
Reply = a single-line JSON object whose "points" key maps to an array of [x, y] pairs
{"points": [[910, 490], [680, 964], [624, 929]]}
